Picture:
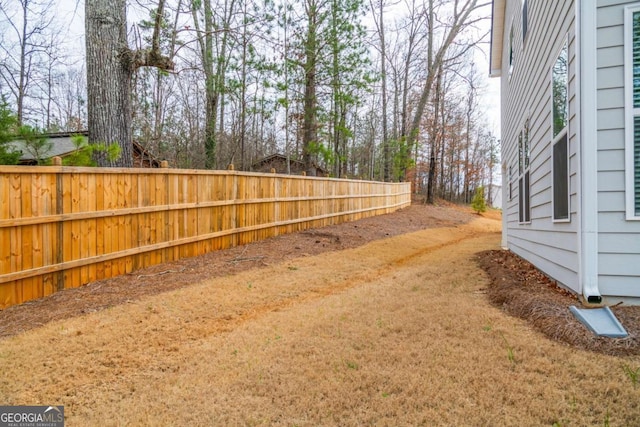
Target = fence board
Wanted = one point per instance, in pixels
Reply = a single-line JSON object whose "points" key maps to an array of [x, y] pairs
{"points": [[62, 227]]}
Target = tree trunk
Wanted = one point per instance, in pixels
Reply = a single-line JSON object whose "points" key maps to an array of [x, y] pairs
{"points": [[383, 71], [309, 132], [108, 78], [110, 68], [443, 140], [467, 163], [431, 180], [22, 78], [211, 95], [432, 173], [437, 57]]}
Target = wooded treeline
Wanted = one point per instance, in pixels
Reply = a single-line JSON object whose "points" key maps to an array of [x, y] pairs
{"points": [[378, 90]]}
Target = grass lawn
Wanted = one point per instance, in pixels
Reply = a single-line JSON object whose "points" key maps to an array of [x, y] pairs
{"points": [[398, 332]]}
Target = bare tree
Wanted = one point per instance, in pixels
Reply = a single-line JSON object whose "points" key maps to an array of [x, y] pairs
{"points": [[437, 52], [379, 21], [214, 64], [69, 100], [25, 41]]}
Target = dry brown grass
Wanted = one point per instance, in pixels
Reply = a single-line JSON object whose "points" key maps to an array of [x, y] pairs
{"points": [[398, 332]]}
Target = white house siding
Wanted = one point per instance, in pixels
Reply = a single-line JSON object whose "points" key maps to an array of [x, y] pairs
{"points": [[552, 246], [618, 239]]}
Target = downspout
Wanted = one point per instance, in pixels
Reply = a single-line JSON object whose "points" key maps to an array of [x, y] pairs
{"points": [[586, 50], [505, 196]]}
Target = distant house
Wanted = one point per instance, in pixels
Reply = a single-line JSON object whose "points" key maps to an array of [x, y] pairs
{"points": [[570, 78], [496, 196], [62, 146], [279, 163]]}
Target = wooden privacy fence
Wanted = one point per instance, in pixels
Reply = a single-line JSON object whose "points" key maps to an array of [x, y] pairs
{"points": [[62, 227]]}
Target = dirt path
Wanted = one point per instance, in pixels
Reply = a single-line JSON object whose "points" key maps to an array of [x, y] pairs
{"points": [[396, 332]]}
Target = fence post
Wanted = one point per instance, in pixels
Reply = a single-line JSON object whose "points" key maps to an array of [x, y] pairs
{"points": [[60, 227]]}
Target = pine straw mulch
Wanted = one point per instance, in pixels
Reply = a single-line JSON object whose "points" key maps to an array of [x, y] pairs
{"points": [[521, 290]]}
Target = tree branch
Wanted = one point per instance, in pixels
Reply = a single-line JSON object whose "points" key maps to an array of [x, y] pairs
{"points": [[148, 58]]}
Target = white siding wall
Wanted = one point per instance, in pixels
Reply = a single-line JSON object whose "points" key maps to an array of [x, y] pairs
{"points": [[552, 246], [618, 239]]}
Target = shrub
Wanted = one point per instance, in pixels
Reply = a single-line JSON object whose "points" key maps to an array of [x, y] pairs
{"points": [[478, 203]]}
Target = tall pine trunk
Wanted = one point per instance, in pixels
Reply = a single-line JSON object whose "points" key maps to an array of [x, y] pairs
{"points": [[386, 150], [309, 133]]}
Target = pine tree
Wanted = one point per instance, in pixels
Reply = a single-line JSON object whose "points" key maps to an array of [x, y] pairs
{"points": [[36, 143], [478, 203], [328, 67], [8, 122]]}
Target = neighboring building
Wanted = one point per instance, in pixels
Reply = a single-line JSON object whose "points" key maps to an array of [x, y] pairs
{"points": [[495, 198], [570, 78], [62, 146], [279, 163]]}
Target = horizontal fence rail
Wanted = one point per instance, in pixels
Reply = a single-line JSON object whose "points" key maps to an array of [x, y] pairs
{"points": [[63, 227]]}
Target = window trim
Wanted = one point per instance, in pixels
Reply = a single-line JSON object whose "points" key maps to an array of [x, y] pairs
{"points": [[630, 114], [564, 132]]}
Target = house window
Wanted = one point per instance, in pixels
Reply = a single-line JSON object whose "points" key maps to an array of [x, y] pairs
{"points": [[524, 201], [560, 179], [632, 107], [511, 51], [525, 23], [510, 183], [524, 194], [560, 117]]}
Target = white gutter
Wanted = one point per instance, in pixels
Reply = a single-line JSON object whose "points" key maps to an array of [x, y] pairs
{"points": [[587, 135]]}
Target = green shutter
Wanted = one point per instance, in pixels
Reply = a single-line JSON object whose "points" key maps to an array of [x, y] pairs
{"points": [[636, 104], [636, 59]]}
